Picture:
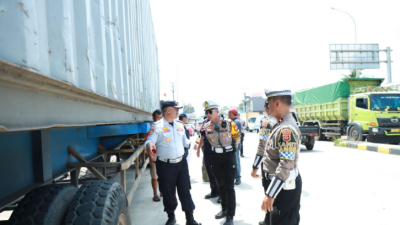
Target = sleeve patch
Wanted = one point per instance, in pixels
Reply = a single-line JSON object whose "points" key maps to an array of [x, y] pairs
{"points": [[234, 131], [287, 144]]}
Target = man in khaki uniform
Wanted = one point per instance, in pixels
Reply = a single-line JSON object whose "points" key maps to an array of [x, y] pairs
{"points": [[281, 179], [224, 137]]}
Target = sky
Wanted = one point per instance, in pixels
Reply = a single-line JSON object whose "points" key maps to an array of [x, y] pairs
{"points": [[218, 50]]}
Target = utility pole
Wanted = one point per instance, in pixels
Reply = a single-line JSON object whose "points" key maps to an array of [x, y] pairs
{"points": [[173, 96]]}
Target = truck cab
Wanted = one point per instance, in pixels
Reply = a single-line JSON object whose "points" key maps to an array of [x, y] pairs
{"points": [[375, 115]]}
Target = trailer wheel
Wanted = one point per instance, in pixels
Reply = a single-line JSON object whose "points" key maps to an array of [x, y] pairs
{"points": [[100, 203], [44, 205], [356, 134], [309, 147]]}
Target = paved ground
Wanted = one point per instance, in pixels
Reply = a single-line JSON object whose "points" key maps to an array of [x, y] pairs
{"points": [[340, 186]]}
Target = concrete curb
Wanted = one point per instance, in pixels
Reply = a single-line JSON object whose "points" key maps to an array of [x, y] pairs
{"points": [[381, 148]]}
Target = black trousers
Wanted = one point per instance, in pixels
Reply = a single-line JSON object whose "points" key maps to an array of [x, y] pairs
{"points": [[207, 163], [172, 177], [286, 205], [241, 143], [224, 168]]}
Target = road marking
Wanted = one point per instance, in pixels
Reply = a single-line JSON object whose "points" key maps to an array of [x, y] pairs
{"points": [[383, 150], [362, 147]]}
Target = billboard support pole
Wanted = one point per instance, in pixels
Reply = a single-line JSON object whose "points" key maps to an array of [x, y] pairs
{"points": [[389, 65]]}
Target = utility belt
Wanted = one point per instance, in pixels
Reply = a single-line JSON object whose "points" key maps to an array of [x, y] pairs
{"points": [[290, 183], [270, 176], [222, 150], [177, 160]]}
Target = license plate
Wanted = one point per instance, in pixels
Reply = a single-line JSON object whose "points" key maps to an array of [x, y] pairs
{"points": [[395, 130]]}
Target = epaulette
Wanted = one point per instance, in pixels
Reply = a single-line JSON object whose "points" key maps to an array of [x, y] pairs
{"points": [[179, 121], [157, 122]]}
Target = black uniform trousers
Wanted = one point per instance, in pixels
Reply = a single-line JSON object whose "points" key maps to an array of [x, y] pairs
{"points": [[207, 163], [286, 204], [172, 177], [224, 168], [241, 143]]}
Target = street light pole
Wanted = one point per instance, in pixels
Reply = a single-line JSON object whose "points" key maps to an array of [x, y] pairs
{"points": [[355, 29]]}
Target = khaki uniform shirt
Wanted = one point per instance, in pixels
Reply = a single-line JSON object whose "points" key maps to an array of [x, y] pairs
{"points": [[222, 137], [283, 148]]}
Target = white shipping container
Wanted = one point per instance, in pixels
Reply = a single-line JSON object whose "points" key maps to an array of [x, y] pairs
{"points": [[107, 48]]}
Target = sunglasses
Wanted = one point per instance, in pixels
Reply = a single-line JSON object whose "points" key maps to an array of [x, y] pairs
{"points": [[210, 111]]}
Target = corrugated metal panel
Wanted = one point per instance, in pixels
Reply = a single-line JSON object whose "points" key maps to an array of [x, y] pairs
{"points": [[106, 47]]}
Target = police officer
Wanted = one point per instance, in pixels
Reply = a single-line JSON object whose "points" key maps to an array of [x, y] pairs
{"points": [[172, 168], [266, 126], [232, 114], [205, 145], [224, 138], [281, 179]]}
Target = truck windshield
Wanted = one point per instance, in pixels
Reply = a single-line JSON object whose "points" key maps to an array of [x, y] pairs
{"points": [[390, 102]]}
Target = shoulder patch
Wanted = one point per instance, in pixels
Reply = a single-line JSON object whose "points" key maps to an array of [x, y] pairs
{"points": [[287, 144]]}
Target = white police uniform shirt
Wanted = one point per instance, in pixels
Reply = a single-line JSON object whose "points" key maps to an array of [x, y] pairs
{"points": [[169, 140]]}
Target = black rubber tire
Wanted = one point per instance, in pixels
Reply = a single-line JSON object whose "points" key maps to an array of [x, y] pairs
{"points": [[355, 134], [45, 205], [309, 147], [321, 136], [98, 203]]}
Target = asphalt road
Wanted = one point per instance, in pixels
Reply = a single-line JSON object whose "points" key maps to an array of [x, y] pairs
{"points": [[340, 186]]}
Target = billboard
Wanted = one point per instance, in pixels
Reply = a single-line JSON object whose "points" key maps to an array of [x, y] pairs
{"points": [[354, 56]]}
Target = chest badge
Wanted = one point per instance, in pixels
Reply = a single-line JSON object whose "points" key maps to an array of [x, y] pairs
{"points": [[168, 139]]}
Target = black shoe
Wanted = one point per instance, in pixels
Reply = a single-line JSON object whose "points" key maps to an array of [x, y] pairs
{"points": [[190, 219], [242, 155], [210, 196], [238, 182], [171, 219], [219, 200], [220, 215], [229, 220]]}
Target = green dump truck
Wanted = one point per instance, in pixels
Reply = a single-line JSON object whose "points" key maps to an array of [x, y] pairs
{"points": [[356, 107]]}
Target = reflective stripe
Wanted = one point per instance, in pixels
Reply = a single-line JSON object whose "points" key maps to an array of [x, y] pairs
{"points": [[257, 162], [275, 187]]}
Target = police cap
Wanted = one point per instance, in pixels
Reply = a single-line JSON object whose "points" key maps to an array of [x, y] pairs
{"points": [[165, 104], [210, 105]]}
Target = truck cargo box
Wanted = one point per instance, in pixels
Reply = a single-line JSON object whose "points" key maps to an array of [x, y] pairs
{"points": [[76, 63]]}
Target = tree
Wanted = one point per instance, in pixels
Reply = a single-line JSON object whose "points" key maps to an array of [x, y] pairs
{"points": [[353, 74], [188, 109], [241, 107], [224, 110]]}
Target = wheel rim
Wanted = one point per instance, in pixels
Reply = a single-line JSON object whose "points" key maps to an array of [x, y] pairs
{"points": [[122, 220], [354, 135]]}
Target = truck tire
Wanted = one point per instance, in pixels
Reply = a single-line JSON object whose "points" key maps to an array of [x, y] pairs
{"points": [[44, 205], [356, 134], [309, 147], [100, 203]]}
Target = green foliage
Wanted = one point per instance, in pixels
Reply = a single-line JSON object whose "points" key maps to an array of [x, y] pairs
{"points": [[240, 107], [336, 141], [188, 109], [224, 110]]}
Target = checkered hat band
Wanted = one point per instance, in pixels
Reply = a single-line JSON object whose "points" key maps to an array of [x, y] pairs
{"points": [[278, 93]]}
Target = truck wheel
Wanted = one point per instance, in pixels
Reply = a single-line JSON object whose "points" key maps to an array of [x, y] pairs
{"points": [[356, 134], [44, 205], [100, 203], [309, 147]]}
